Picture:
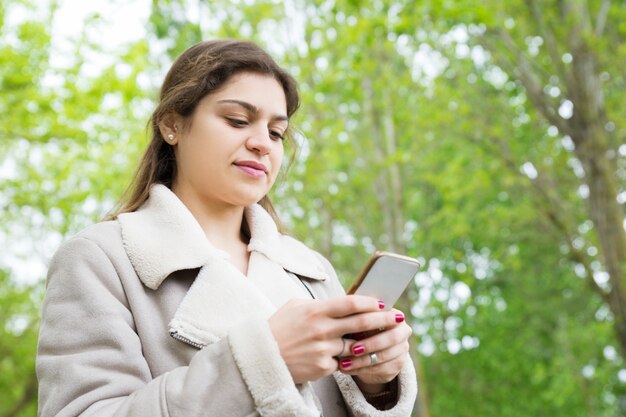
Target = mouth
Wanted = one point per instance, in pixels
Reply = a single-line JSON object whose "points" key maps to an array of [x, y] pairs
{"points": [[253, 168]]}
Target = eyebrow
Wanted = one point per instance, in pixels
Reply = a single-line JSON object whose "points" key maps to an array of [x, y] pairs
{"points": [[253, 109]]}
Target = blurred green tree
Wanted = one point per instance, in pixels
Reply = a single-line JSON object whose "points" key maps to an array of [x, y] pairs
{"points": [[485, 138], [68, 138]]}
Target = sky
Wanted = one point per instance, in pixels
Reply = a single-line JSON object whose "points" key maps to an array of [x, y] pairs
{"points": [[124, 22], [125, 19]]}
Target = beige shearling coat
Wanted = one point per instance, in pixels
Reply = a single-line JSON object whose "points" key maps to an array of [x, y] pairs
{"points": [[144, 317]]}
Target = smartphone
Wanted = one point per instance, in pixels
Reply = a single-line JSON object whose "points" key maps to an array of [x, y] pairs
{"points": [[385, 277]]}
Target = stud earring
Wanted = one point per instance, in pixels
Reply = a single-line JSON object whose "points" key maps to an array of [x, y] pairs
{"points": [[170, 137]]}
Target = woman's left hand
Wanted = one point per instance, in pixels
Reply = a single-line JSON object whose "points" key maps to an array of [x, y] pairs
{"points": [[390, 348]]}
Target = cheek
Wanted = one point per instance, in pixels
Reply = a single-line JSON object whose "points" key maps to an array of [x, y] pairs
{"points": [[195, 157], [188, 155]]}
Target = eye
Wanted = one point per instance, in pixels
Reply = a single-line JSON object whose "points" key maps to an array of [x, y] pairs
{"points": [[237, 122], [277, 135]]}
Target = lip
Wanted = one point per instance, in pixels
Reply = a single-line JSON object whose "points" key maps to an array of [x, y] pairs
{"points": [[253, 168]]}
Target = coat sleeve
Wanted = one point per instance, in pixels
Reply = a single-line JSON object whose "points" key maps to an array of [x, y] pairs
{"points": [[352, 395], [90, 361]]}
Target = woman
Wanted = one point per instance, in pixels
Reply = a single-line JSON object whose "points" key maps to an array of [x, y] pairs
{"points": [[190, 302]]}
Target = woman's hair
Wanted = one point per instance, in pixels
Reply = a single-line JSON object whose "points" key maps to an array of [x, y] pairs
{"points": [[201, 70]]}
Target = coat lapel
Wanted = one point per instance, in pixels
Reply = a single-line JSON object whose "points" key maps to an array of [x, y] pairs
{"points": [[284, 250], [162, 237], [273, 281], [218, 299]]}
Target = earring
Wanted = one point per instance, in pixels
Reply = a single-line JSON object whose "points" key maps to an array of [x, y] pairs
{"points": [[170, 137]]}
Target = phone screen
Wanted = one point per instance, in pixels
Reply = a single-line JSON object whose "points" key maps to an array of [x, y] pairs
{"points": [[385, 277]]}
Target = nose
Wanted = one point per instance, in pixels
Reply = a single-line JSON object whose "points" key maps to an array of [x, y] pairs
{"points": [[260, 142]]}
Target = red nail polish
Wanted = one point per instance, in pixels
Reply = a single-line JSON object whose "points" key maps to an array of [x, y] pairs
{"points": [[381, 304], [345, 363], [399, 318], [358, 349]]}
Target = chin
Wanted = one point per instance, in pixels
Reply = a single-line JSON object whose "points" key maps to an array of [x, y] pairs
{"points": [[247, 200], [247, 195]]}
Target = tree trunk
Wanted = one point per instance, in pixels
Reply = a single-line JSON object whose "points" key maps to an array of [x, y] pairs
{"points": [[592, 147], [607, 217], [388, 190], [592, 142]]}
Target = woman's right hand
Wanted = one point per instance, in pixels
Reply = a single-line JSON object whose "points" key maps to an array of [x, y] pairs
{"points": [[309, 332]]}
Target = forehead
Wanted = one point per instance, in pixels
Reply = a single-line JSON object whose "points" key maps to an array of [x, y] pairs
{"points": [[262, 91]]}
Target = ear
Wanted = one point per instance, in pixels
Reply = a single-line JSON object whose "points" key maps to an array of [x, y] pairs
{"points": [[169, 128]]}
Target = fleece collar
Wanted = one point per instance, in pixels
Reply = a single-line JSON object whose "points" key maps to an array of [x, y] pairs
{"points": [[162, 237]]}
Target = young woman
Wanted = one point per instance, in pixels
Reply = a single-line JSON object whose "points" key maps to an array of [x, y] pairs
{"points": [[190, 301]]}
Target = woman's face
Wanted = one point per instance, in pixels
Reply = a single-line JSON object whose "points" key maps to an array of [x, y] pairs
{"points": [[231, 151]]}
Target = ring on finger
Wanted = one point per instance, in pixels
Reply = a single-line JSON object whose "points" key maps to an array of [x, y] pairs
{"points": [[373, 358]]}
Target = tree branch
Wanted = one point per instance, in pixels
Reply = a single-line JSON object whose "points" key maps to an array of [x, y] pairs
{"points": [[548, 35], [578, 11], [551, 208], [602, 17], [533, 85], [577, 256]]}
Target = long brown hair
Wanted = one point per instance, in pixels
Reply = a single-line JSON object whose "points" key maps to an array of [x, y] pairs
{"points": [[199, 71]]}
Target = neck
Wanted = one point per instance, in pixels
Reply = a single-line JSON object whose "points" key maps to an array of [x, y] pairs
{"points": [[221, 223]]}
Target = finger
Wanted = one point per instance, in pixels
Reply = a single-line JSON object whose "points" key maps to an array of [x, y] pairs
{"points": [[369, 321], [380, 373], [374, 360], [349, 305], [381, 341], [343, 349], [346, 347]]}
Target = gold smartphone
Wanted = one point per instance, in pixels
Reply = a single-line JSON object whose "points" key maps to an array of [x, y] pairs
{"points": [[385, 277]]}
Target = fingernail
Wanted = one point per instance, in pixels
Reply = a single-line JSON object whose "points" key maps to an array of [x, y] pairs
{"points": [[358, 349], [345, 363], [381, 304], [399, 318]]}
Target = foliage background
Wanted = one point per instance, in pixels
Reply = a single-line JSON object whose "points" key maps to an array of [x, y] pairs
{"points": [[455, 132]]}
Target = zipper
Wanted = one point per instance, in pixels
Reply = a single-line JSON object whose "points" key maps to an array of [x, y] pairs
{"points": [[185, 340]]}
